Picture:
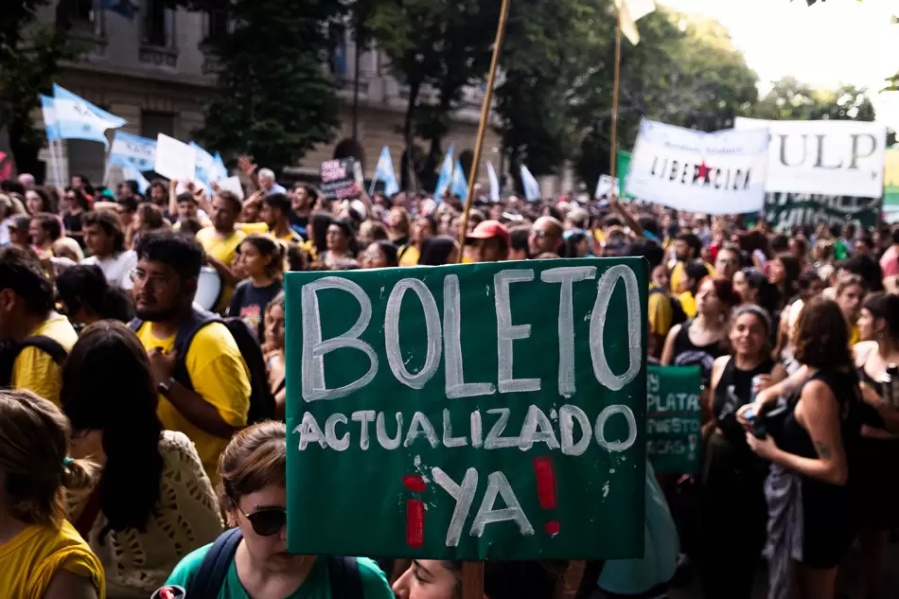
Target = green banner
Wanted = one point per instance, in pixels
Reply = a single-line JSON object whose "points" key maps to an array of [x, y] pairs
{"points": [[784, 210], [623, 166], [468, 412], [891, 180], [673, 418]]}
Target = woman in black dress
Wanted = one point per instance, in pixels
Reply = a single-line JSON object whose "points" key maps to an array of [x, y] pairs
{"points": [[733, 478], [809, 528]]}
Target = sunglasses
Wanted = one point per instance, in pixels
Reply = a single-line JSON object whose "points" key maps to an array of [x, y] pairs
{"points": [[268, 521]]}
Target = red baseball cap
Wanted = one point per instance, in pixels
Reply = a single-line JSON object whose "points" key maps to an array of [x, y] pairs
{"points": [[491, 228]]}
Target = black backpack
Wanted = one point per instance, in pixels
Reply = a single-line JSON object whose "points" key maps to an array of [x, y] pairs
{"points": [[343, 572], [678, 316], [10, 350], [262, 402]]}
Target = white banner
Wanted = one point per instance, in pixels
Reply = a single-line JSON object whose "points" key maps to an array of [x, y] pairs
{"points": [[827, 157], [713, 173], [174, 159]]}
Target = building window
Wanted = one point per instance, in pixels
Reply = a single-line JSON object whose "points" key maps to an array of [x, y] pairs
{"points": [[217, 23], [156, 31], [153, 123]]}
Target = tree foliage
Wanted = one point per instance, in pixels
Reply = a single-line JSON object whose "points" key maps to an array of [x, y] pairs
{"points": [[790, 99], [274, 100], [30, 54]]}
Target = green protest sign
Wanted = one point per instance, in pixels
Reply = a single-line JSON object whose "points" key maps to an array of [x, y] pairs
{"points": [[477, 411], [673, 418]]}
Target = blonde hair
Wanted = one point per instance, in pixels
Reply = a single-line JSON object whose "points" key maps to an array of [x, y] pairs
{"points": [[35, 469]]}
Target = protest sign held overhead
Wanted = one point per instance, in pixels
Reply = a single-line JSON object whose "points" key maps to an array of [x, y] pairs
{"points": [[713, 173], [673, 418], [338, 178], [785, 210], [490, 411], [843, 158], [175, 159]]}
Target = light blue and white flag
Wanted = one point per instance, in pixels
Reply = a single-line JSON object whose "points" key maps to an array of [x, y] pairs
{"points": [[494, 182], [132, 151], [219, 171], [446, 175], [459, 186], [48, 109], [79, 119], [384, 172], [531, 187], [206, 167], [131, 173]]}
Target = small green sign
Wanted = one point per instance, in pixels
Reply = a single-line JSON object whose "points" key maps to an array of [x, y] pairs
{"points": [[673, 418], [468, 412]]}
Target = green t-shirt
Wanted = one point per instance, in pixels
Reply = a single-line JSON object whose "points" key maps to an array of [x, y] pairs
{"points": [[316, 586]]}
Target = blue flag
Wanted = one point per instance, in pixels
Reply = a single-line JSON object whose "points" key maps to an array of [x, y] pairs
{"points": [[460, 185], [132, 151], [48, 108], [77, 118], [446, 175], [384, 172], [206, 167]]}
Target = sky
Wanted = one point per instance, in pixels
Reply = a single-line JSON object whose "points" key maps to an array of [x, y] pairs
{"points": [[830, 43]]}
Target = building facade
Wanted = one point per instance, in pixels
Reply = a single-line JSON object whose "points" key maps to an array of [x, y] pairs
{"points": [[149, 67]]}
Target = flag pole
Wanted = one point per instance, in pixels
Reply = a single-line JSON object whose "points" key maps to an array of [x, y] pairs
{"points": [[615, 91], [485, 119]]}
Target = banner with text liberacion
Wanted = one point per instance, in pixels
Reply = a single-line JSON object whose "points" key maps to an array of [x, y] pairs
{"points": [[837, 158], [468, 412], [715, 173]]}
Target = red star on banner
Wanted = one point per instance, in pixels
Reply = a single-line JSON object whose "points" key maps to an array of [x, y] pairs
{"points": [[704, 170]]}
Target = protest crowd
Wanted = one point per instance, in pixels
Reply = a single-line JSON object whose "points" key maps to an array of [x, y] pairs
{"points": [[139, 426]]}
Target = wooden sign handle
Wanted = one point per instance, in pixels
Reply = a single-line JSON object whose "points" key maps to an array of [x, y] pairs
{"points": [[473, 580]]}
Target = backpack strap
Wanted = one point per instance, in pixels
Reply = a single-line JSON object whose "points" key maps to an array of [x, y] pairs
{"points": [[184, 337], [47, 345], [135, 324], [343, 575], [210, 576]]}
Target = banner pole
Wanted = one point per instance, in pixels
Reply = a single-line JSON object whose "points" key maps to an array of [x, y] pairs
{"points": [[473, 579], [482, 128], [615, 91]]}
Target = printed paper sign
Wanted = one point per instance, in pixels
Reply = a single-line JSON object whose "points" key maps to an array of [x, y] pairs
{"points": [[673, 418], [470, 412], [841, 158], [714, 173], [174, 159], [338, 178], [604, 187]]}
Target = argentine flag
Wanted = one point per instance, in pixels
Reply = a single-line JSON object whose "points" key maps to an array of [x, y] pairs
{"points": [[207, 167], [531, 187], [460, 185], [48, 109], [446, 175], [79, 119], [219, 171], [132, 151], [129, 172], [384, 172]]}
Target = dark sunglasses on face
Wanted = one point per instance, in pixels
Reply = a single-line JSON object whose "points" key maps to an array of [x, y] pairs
{"points": [[267, 521]]}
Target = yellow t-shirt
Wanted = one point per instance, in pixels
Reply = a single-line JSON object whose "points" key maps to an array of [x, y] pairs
{"points": [[34, 369], [854, 335], [659, 309], [30, 560], [410, 255], [218, 374], [222, 249], [688, 303], [678, 272], [253, 227]]}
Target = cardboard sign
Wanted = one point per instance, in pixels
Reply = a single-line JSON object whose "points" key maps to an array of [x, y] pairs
{"points": [[174, 159], [338, 178], [673, 418], [470, 412]]}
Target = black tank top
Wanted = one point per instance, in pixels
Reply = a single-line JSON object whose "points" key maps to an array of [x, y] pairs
{"points": [[687, 353], [734, 390]]}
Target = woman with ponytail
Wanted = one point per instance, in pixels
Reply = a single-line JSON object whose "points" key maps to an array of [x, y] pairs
{"points": [[262, 259], [152, 503], [42, 556], [86, 296]]}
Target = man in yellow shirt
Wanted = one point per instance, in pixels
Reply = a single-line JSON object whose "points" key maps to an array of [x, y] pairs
{"points": [[276, 210], [34, 338], [687, 248], [206, 393], [220, 242]]}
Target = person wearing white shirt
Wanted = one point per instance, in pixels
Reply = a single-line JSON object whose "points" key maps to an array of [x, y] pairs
{"points": [[105, 240]]}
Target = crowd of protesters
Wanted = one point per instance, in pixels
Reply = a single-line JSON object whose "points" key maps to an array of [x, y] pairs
{"points": [[137, 425]]}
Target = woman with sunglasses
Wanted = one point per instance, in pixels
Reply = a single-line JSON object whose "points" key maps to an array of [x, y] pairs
{"points": [[254, 497]]}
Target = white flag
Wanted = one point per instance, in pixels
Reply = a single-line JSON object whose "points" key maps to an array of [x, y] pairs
{"points": [[631, 11], [531, 187], [494, 182]]}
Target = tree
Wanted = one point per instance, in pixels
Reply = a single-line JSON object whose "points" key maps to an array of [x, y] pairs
{"points": [[30, 54], [790, 99], [273, 99], [437, 46]]}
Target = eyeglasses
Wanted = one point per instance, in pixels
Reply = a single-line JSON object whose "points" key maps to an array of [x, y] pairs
{"points": [[267, 521], [139, 276]]}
